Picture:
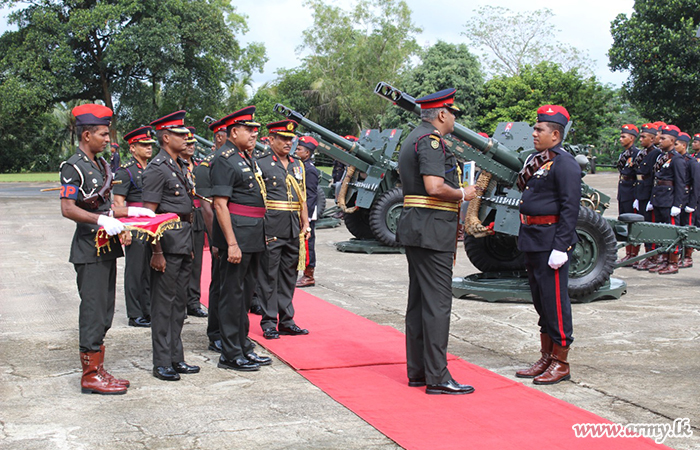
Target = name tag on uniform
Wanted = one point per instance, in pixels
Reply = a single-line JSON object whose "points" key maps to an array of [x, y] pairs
{"points": [[246, 169]]}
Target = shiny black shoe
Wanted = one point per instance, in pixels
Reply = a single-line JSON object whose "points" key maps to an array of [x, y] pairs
{"points": [[416, 382], [240, 364], [165, 373], [139, 322], [449, 387], [271, 333], [183, 367], [294, 330], [260, 360], [257, 310], [197, 312], [215, 346]]}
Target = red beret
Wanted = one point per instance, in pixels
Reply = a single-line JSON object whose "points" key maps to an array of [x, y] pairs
{"points": [[482, 134], [683, 137], [697, 137], [350, 137], [649, 128], [630, 129], [308, 142], [671, 130], [553, 113], [92, 114]]}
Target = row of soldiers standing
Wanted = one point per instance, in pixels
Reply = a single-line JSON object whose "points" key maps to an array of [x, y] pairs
{"points": [[257, 224], [661, 181]]}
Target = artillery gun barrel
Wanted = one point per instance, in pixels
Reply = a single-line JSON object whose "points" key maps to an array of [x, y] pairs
{"points": [[351, 147], [487, 146], [203, 141]]}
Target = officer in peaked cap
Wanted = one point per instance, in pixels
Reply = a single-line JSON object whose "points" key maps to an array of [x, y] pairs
{"points": [[137, 285], [628, 179], [219, 129], [239, 234], [86, 181], [286, 220], [550, 182], [167, 189], [644, 167], [305, 150], [428, 229]]}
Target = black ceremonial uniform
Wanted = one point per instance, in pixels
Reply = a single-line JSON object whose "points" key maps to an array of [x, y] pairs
{"points": [[165, 183], [429, 236], [194, 290], [552, 194], [312, 180], [626, 187], [670, 181], [96, 273], [692, 188], [644, 166], [233, 175], [137, 273]]}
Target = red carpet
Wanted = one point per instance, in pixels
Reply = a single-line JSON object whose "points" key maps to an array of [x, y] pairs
{"points": [[361, 365]]}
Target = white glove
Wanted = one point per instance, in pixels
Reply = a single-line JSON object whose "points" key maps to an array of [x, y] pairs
{"points": [[137, 211], [557, 259], [650, 207], [688, 209], [675, 211], [635, 205], [111, 225]]}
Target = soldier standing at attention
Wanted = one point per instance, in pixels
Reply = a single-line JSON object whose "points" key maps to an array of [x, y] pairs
{"points": [[194, 290], [644, 165], [696, 145], [669, 195], [166, 189], [239, 234], [305, 150], [85, 199], [551, 185], [137, 275], [428, 229], [116, 158], [628, 180], [687, 216], [286, 220]]}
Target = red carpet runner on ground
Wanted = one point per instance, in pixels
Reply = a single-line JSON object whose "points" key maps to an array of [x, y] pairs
{"points": [[362, 365]]}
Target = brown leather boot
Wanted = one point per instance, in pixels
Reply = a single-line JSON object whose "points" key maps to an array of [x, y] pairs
{"points": [[558, 370], [307, 279], [106, 374], [541, 365], [646, 263], [661, 263], [630, 252], [93, 382], [672, 266], [687, 258]]}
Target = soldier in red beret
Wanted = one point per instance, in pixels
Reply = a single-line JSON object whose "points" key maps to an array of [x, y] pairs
{"points": [[628, 179], [687, 216], [305, 150]]}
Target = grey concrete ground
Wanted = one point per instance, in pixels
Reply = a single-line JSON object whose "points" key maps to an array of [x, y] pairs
{"points": [[634, 360]]}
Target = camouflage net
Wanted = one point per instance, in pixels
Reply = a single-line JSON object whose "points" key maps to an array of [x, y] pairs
{"points": [[472, 224], [349, 172]]}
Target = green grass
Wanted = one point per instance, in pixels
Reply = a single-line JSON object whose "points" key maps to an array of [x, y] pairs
{"points": [[38, 177]]}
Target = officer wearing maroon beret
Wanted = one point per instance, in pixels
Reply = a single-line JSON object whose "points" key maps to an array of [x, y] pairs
{"points": [[687, 216], [137, 284], [669, 195], [644, 166], [428, 229], [551, 185], [305, 150], [628, 179], [166, 189], [239, 234], [287, 221], [86, 181]]}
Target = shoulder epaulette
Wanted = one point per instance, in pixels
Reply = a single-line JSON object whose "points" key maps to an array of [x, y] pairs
{"points": [[226, 154], [158, 160]]}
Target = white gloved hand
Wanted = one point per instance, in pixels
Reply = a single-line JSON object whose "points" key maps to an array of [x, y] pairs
{"points": [[650, 207], [136, 211], [688, 209], [675, 211], [635, 205], [111, 225], [557, 259]]}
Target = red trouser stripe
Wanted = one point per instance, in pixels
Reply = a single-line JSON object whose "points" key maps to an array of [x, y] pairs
{"points": [[690, 219], [559, 318]]}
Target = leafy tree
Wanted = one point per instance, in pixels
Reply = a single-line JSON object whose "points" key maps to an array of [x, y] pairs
{"points": [[618, 112], [657, 44], [513, 40], [351, 51], [516, 98]]}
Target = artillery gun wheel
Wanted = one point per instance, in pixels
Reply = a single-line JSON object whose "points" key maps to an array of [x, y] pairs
{"points": [[320, 203], [495, 253], [593, 259], [357, 224], [384, 216]]}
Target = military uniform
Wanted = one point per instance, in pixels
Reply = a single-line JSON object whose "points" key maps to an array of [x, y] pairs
{"points": [[626, 187], [137, 273], [312, 207], [670, 181], [165, 183], [233, 175], [194, 290]]}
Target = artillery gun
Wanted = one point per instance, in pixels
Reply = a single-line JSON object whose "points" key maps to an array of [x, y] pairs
{"points": [[492, 220], [369, 194]]}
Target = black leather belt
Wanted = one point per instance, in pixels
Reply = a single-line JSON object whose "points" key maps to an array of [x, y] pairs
{"points": [[186, 217], [663, 183], [626, 178]]}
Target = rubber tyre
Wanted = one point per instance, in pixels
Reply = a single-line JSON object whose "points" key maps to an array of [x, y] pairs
{"points": [[496, 253], [357, 224], [320, 203], [384, 216], [593, 258]]}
